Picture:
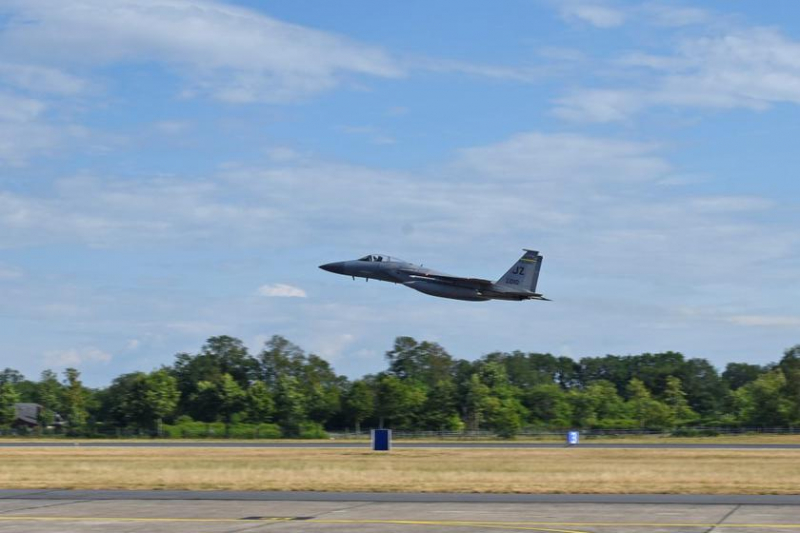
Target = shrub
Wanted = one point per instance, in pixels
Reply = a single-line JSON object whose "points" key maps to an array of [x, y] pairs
{"points": [[312, 430]]}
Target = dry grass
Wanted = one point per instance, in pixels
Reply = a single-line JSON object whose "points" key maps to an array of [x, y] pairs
{"points": [[468, 470]]}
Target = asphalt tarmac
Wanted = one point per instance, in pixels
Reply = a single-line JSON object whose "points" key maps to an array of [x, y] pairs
{"points": [[361, 444], [309, 512]]}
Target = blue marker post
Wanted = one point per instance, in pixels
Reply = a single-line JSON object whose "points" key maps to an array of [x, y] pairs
{"points": [[381, 440], [572, 438]]}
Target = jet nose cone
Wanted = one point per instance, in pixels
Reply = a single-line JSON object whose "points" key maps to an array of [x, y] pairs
{"points": [[336, 268]]}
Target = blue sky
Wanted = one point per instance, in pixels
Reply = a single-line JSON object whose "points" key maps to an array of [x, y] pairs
{"points": [[176, 169]]}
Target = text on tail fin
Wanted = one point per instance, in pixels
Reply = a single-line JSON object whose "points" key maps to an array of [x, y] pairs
{"points": [[525, 273]]}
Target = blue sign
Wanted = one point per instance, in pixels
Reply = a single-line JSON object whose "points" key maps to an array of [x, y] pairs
{"points": [[381, 440], [572, 438]]}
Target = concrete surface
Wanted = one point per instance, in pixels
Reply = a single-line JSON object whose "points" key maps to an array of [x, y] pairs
{"points": [[53, 511]]}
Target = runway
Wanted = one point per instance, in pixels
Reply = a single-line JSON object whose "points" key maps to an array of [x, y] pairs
{"points": [[217, 512], [362, 445]]}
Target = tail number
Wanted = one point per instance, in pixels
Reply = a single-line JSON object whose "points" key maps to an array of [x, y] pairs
{"points": [[512, 281]]}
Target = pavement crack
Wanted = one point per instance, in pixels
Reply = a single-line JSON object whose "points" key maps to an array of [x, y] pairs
{"points": [[355, 505], [33, 507], [723, 519]]}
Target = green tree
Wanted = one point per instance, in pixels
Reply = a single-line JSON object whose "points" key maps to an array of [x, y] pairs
{"points": [[493, 374], [289, 405], [476, 402], [219, 355], [526, 370], [737, 375], [549, 405], [224, 398], [647, 411], [259, 403], [321, 388], [230, 356], [398, 401], [611, 368], [502, 409], [160, 396], [141, 400], [583, 408], [48, 394], [704, 388], [505, 415], [124, 400], [75, 398], [762, 402], [790, 366], [11, 376], [607, 404], [440, 411], [279, 358], [359, 402], [9, 397], [425, 362], [675, 399]]}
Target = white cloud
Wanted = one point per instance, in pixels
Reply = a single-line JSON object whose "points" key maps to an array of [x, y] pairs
{"points": [[496, 72], [9, 272], [332, 347], [24, 133], [671, 15], [281, 290], [19, 142], [532, 187], [568, 194], [76, 357], [282, 154], [133, 344], [594, 13], [603, 15], [172, 127], [730, 204], [98, 212], [18, 109], [374, 135], [766, 321], [599, 105], [556, 158], [38, 79], [749, 68], [233, 53]]}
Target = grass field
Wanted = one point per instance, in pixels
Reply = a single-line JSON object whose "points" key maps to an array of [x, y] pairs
{"points": [[564, 470]]}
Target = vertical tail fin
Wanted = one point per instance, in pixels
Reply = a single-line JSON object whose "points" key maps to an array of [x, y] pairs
{"points": [[525, 273]]}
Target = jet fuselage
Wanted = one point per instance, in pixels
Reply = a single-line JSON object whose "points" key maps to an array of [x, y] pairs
{"points": [[517, 284]]}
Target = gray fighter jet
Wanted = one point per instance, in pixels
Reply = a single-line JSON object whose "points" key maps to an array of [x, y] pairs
{"points": [[519, 283]]}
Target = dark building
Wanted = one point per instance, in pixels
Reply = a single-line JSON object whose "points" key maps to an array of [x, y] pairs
{"points": [[28, 415]]}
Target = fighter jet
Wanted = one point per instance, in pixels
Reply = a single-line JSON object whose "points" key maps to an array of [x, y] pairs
{"points": [[519, 283]]}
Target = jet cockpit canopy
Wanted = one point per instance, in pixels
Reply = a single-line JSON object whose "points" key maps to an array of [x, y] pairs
{"points": [[377, 258]]}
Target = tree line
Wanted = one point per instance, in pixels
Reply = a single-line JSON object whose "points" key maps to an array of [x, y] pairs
{"points": [[284, 391]]}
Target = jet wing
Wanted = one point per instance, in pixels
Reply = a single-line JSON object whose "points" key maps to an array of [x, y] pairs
{"points": [[476, 283]]}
